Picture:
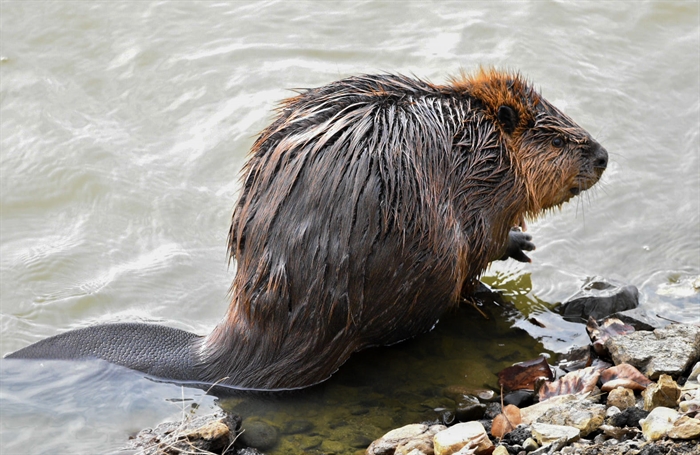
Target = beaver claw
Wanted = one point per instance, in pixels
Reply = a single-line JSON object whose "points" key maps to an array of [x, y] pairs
{"points": [[518, 243]]}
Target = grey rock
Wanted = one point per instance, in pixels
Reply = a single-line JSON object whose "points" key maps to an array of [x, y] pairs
{"points": [[583, 415], [670, 350], [598, 299], [259, 434]]}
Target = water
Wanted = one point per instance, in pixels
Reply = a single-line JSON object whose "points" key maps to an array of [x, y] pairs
{"points": [[124, 126]]}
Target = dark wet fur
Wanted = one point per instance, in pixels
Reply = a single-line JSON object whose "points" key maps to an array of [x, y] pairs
{"points": [[368, 207]]}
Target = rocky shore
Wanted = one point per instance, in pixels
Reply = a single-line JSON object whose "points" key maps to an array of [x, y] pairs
{"points": [[634, 390]]}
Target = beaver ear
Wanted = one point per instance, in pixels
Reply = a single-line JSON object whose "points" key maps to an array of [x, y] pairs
{"points": [[508, 118]]}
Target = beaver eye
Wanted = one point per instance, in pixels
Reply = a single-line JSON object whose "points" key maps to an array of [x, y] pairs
{"points": [[558, 142]]}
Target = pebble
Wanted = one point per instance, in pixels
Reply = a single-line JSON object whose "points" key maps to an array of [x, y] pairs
{"points": [[621, 398], [453, 439], [658, 423], [664, 393], [500, 450], [546, 434], [581, 414], [685, 428], [259, 434], [530, 444]]}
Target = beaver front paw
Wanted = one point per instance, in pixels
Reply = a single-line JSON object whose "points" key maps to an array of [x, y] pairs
{"points": [[518, 243]]}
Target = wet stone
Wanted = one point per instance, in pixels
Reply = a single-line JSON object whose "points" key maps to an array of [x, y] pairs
{"points": [[598, 299], [259, 434], [519, 398], [297, 427], [469, 408]]}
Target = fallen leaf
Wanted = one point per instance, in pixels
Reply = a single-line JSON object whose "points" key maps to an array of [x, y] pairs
{"points": [[599, 334], [573, 383], [524, 375], [623, 375], [506, 421]]}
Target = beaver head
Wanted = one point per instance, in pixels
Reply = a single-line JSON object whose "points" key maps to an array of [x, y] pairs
{"points": [[554, 158]]}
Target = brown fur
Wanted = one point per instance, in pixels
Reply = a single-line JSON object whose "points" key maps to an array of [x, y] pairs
{"points": [[369, 204]]}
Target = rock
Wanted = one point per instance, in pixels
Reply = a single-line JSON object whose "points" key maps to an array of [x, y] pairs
{"points": [[670, 350], [621, 398], [639, 319], [598, 299], [531, 413], [206, 434], [519, 398], [530, 444], [612, 411], [297, 426], [469, 408], [408, 437], [259, 434], [664, 393], [517, 436], [331, 447], [457, 437], [500, 450], [546, 434], [630, 417], [685, 428], [658, 423], [581, 414]]}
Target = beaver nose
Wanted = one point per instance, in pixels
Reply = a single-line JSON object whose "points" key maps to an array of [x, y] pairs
{"points": [[600, 156]]}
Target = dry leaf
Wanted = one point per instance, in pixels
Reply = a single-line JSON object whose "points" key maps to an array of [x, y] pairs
{"points": [[623, 375], [524, 375], [599, 334], [575, 382], [506, 422]]}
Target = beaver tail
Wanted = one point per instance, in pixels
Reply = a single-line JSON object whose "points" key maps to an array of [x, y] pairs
{"points": [[156, 350]]}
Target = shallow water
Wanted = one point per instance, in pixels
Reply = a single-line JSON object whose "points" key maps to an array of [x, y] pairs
{"points": [[124, 126]]}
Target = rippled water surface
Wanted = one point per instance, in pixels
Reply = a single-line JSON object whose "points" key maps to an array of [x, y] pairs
{"points": [[123, 129]]}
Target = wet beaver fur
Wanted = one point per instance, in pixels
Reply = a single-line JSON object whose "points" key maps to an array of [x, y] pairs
{"points": [[368, 207]]}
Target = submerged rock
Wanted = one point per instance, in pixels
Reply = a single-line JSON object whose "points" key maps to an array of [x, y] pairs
{"points": [[259, 434]]}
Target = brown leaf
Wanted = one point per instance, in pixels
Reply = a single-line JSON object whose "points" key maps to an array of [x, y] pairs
{"points": [[506, 422], [599, 334], [524, 375], [623, 375], [575, 382]]}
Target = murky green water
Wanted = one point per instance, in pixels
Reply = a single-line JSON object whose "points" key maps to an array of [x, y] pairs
{"points": [[123, 129]]}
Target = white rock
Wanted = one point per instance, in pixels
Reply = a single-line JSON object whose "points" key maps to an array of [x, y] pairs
{"points": [[546, 434], [657, 424], [461, 436]]}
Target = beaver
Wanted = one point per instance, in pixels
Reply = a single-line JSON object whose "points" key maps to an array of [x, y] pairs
{"points": [[367, 208]]}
